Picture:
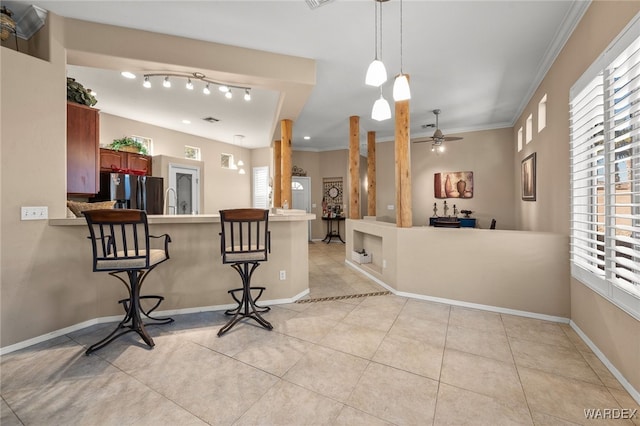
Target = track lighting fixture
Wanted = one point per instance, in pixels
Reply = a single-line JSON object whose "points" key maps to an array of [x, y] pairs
{"points": [[195, 77]]}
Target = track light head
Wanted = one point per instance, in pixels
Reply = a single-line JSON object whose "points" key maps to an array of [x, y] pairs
{"points": [[166, 82]]}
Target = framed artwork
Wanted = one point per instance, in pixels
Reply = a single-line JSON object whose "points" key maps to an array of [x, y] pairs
{"points": [[528, 178], [453, 185]]}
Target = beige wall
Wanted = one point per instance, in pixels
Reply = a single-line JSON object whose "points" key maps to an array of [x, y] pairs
{"points": [[613, 331]]}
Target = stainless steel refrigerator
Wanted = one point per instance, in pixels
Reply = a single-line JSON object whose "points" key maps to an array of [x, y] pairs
{"points": [[132, 191]]}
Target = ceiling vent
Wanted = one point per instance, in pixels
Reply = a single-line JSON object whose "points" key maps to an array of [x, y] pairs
{"points": [[426, 126], [211, 119], [314, 4]]}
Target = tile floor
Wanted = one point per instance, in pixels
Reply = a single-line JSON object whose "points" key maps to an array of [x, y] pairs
{"points": [[375, 360]]}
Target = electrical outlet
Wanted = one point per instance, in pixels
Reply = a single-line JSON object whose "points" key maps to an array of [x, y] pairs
{"points": [[384, 263], [34, 213], [390, 207], [283, 275]]}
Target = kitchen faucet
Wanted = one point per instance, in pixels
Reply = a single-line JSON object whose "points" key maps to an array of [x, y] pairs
{"points": [[167, 205]]}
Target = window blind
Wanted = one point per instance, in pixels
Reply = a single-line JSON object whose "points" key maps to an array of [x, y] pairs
{"points": [[605, 173], [261, 187]]}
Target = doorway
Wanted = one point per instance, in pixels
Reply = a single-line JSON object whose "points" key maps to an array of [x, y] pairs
{"points": [[185, 181], [301, 197]]}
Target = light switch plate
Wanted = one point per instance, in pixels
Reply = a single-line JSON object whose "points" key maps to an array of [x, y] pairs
{"points": [[34, 213]]}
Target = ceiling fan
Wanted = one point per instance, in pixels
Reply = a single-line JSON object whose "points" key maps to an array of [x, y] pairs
{"points": [[438, 137]]}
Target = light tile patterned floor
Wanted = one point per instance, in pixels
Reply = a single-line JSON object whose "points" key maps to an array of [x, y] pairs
{"points": [[376, 360]]}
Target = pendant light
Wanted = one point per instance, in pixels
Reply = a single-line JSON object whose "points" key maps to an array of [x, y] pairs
{"points": [[377, 73], [401, 90], [381, 110]]}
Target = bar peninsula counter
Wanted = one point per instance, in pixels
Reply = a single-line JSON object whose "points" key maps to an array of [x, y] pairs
{"points": [[192, 280]]}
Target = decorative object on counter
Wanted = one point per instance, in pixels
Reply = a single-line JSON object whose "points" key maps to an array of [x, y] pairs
{"points": [[528, 178], [455, 211], [435, 210], [446, 208], [466, 213], [297, 171], [197, 76], [78, 94], [7, 23], [453, 185], [128, 144]]}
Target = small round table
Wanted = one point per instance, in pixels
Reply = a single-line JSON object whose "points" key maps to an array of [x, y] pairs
{"points": [[333, 233]]}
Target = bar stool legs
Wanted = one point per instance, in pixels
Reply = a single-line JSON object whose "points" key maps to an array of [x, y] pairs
{"points": [[132, 320], [247, 305]]}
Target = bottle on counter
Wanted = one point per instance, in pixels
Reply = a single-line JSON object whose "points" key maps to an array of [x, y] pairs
{"points": [[285, 205]]}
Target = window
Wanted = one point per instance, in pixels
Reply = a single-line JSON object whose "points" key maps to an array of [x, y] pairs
{"points": [[529, 128], [542, 113], [192, 152], [605, 174], [147, 142], [226, 161], [520, 139], [261, 188]]}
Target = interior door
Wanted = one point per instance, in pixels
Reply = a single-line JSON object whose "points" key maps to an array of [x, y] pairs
{"points": [[185, 181], [301, 196]]}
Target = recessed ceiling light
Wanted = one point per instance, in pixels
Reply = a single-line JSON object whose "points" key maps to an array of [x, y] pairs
{"points": [[186, 122], [127, 74], [306, 138]]}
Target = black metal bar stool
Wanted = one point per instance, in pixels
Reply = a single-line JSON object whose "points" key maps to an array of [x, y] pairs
{"points": [[245, 241], [121, 246]]}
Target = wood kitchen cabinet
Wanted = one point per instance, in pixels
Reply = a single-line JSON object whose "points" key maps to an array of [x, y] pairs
{"points": [[121, 160], [83, 129]]}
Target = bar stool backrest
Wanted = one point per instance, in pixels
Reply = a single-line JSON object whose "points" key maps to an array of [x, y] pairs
{"points": [[120, 240], [245, 235]]}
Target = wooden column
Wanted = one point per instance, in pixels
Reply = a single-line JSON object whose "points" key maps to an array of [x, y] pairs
{"points": [[404, 217], [286, 132], [354, 167], [371, 173], [277, 173]]}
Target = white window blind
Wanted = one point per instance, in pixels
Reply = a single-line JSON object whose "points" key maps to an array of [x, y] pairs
{"points": [[261, 187], [605, 173]]}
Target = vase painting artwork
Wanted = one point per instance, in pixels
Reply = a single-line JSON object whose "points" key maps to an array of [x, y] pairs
{"points": [[453, 185]]}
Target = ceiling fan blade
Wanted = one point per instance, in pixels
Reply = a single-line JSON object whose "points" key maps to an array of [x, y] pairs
{"points": [[452, 138], [422, 140]]}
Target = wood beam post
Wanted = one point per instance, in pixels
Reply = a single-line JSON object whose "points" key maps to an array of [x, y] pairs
{"points": [[277, 174], [371, 173], [404, 218], [286, 131], [354, 167]]}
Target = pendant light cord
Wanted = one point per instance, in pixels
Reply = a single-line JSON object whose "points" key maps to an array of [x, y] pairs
{"points": [[377, 1], [401, 37], [375, 7]]}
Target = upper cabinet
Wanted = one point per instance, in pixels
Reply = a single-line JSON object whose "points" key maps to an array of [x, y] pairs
{"points": [[83, 127], [125, 162]]}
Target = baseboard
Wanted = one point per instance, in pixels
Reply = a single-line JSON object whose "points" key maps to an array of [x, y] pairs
{"points": [[635, 394], [76, 327]]}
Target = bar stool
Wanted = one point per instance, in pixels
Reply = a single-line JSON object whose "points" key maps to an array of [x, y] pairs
{"points": [[121, 246], [245, 241]]}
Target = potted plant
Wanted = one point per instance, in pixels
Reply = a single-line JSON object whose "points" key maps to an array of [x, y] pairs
{"points": [[78, 94], [128, 144]]}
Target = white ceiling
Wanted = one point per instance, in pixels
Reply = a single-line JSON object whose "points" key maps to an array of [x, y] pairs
{"points": [[477, 61]]}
